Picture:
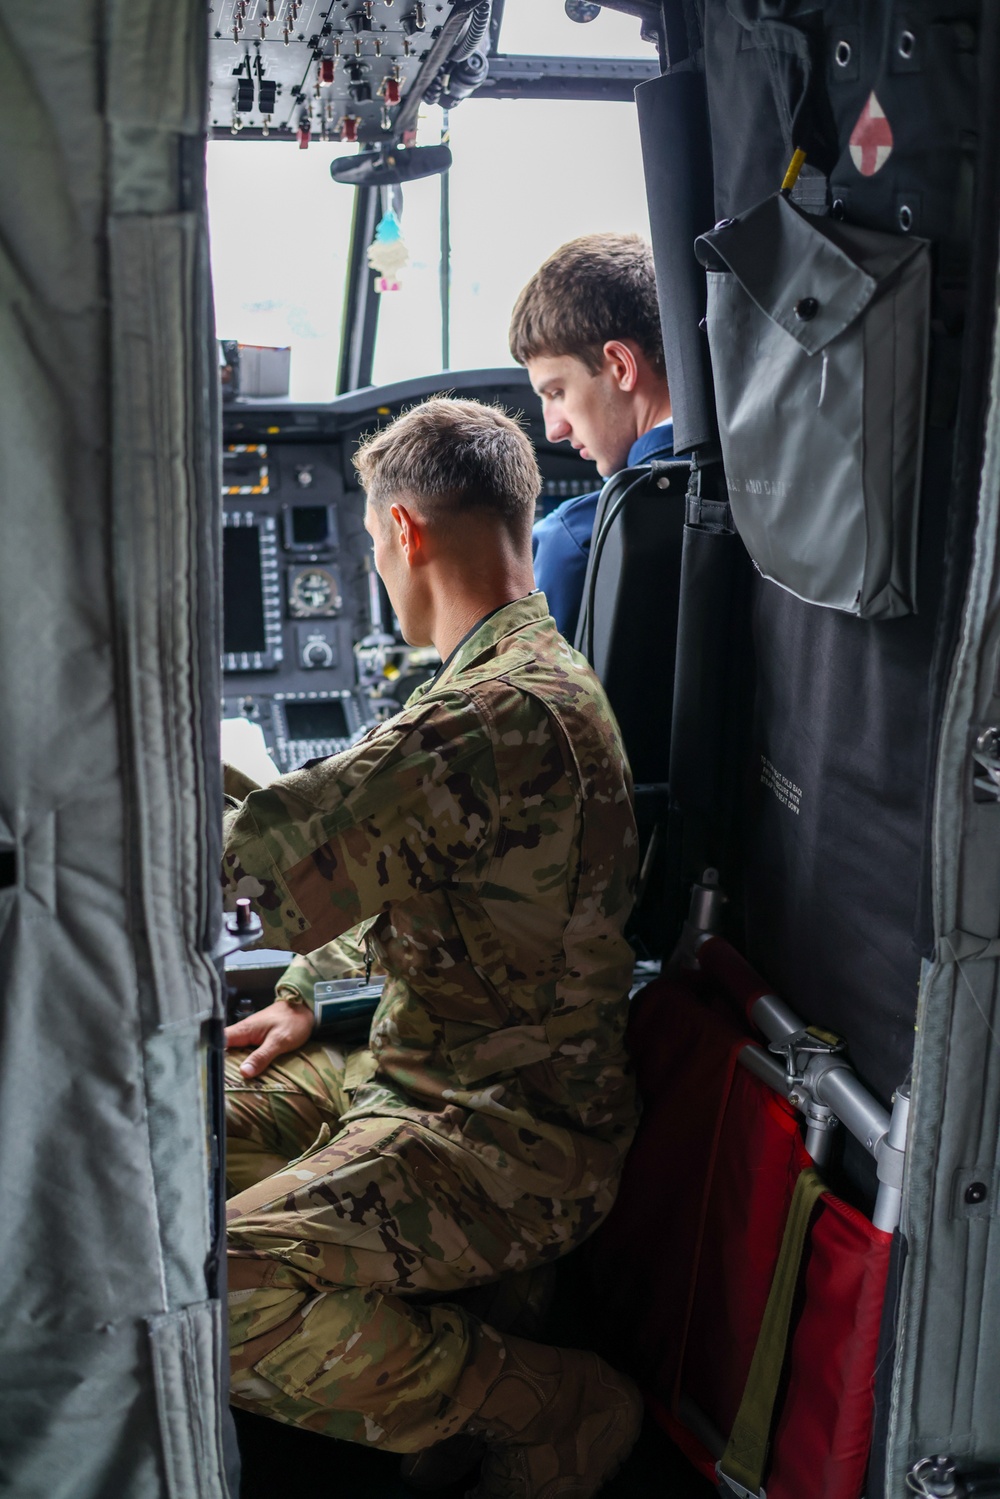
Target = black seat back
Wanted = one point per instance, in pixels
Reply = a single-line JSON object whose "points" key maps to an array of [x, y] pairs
{"points": [[628, 617]]}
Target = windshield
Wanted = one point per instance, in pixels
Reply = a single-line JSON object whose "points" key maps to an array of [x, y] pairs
{"points": [[531, 26], [279, 236], [528, 175]]}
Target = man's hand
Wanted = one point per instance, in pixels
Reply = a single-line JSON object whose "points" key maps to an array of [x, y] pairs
{"points": [[281, 1027]]}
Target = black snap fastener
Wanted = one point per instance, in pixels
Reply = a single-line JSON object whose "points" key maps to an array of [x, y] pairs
{"points": [[905, 218], [842, 54], [725, 223], [806, 308], [907, 42], [837, 208], [975, 1192]]}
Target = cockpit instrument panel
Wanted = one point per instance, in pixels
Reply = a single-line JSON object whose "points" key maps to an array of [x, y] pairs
{"points": [[311, 651]]}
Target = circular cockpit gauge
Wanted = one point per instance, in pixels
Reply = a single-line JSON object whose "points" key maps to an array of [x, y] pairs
{"points": [[313, 593]]}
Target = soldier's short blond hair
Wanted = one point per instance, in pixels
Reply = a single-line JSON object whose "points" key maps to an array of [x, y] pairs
{"points": [[453, 456], [591, 290]]}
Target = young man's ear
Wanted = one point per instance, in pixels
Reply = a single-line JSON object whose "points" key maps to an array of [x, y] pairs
{"points": [[621, 360], [409, 532]]}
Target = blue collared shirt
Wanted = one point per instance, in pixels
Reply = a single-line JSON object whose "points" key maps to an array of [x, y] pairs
{"points": [[560, 543]]}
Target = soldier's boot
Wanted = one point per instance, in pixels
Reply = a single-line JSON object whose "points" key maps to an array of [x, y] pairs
{"points": [[443, 1465], [516, 1304], [557, 1423]]}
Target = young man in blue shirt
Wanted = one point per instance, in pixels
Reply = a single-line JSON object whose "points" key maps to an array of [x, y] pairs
{"points": [[587, 329]]}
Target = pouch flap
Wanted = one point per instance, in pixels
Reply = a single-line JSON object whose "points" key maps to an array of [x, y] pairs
{"points": [[500, 1051], [360, 1067], [810, 276]]}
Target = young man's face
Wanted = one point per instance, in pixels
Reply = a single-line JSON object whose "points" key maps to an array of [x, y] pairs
{"points": [[589, 410]]}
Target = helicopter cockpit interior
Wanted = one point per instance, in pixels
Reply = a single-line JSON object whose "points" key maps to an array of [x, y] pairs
{"points": [[236, 239], [310, 652]]}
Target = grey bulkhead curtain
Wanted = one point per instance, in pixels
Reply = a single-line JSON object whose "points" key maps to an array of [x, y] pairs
{"points": [[947, 1374], [109, 799]]}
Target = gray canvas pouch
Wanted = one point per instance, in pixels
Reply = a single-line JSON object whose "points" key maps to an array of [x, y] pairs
{"points": [[818, 333]]}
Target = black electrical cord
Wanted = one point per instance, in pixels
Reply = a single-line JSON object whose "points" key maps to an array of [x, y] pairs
{"points": [[479, 25]]}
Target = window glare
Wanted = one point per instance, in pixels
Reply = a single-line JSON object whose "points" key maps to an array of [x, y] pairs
{"points": [[543, 27], [280, 232], [527, 176]]}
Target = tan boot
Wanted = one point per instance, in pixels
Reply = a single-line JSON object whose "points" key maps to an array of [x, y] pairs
{"points": [[557, 1423], [517, 1304]]}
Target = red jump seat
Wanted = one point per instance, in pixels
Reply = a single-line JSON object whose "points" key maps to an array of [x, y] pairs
{"points": [[755, 1340]]}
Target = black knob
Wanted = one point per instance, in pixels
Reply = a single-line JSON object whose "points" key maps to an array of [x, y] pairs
{"points": [[318, 653]]}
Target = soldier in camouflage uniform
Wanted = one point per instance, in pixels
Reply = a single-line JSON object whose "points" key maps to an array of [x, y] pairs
{"points": [[481, 848]]}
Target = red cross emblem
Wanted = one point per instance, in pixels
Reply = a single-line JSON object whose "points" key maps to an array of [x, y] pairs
{"points": [[871, 139]]}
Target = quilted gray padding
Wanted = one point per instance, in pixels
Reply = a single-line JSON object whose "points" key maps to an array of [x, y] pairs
{"points": [[109, 794]]}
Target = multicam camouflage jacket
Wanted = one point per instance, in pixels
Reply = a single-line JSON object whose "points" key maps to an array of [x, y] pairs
{"points": [[482, 845]]}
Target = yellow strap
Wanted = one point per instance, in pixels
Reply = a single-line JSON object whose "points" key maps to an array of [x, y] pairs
{"points": [[746, 1453]]}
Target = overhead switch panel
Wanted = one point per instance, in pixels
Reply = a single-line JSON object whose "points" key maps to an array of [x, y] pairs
{"points": [[270, 60]]}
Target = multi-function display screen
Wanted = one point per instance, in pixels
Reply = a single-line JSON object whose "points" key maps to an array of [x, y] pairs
{"points": [[317, 718], [310, 525], [242, 591]]}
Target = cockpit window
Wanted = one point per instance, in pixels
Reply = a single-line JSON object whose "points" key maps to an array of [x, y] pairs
{"points": [[280, 231], [546, 30], [528, 174]]}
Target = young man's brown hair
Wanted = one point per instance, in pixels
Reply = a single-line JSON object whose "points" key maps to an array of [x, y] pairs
{"points": [[453, 456], [592, 290]]}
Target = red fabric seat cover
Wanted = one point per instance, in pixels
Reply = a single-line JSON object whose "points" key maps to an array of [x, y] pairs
{"points": [[684, 1262]]}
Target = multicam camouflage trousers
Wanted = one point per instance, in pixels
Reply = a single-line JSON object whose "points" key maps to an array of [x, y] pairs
{"points": [[345, 1247]]}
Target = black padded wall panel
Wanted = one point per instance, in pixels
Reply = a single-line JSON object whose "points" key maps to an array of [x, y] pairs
{"points": [[676, 154]]}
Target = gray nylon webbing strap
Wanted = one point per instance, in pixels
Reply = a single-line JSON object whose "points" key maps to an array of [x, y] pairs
{"points": [[746, 1453]]}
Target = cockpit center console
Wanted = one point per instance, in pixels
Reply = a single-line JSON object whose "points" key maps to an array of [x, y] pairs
{"points": [[311, 649]]}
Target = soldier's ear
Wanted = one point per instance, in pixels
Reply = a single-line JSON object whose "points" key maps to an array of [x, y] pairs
{"points": [[409, 533]]}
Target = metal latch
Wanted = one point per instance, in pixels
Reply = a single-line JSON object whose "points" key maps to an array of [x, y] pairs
{"points": [[732, 1486], [933, 1476], [801, 1045], [939, 1477], [986, 756]]}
